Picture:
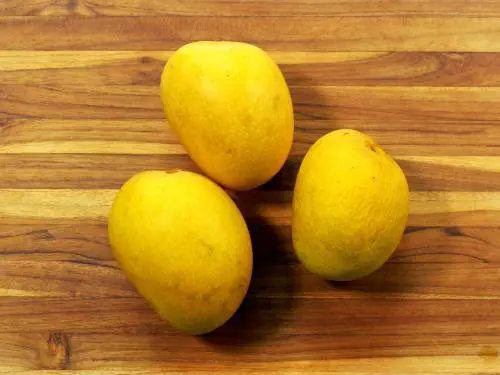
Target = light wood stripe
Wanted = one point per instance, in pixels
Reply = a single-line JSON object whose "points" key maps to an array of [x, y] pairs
{"points": [[442, 263], [10, 292], [137, 137], [397, 103], [41, 203], [104, 171], [427, 208], [281, 8], [435, 202], [79, 145], [374, 366], [299, 319], [398, 33], [333, 103], [76, 277], [40, 60], [366, 366], [21, 358], [85, 68], [484, 163], [93, 147], [255, 8]]}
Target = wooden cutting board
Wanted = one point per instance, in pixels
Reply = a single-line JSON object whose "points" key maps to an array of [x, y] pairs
{"points": [[80, 113]]}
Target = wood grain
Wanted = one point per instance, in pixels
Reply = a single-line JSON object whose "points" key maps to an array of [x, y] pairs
{"points": [[107, 170], [80, 114], [334, 103], [427, 208], [51, 239], [154, 137], [364, 366], [127, 316], [460, 263], [84, 68], [398, 33], [254, 8]]}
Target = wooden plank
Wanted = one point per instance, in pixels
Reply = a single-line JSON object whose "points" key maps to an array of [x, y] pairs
{"points": [[331, 318], [78, 277], [132, 137], [37, 7], [60, 240], [438, 273], [435, 208], [451, 173], [398, 33], [296, 353], [84, 170], [396, 69], [467, 365], [97, 171], [398, 103], [470, 278], [374, 366], [56, 353], [143, 137], [136, 102], [300, 68], [254, 8], [19, 352], [339, 103], [55, 241], [410, 137], [430, 263], [427, 208]]}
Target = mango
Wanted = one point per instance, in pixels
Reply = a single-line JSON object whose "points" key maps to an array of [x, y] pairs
{"points": [[184, 244], [230, 106], [350, 206]]}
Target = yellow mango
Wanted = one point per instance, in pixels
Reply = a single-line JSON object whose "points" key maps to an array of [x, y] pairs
{"points": [[350, 206], [184, 244], [231, 108]]}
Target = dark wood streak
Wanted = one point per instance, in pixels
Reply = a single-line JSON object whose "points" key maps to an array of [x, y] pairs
{"points": [[89, 260], [261, 8], [313, 33], [328, 103], [111, 171], [437, 69], [57, 354], [93, 263]]}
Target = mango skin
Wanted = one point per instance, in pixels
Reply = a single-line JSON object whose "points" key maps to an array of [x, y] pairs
{"points": [[184, 244], [350, 206], [231, 108]]}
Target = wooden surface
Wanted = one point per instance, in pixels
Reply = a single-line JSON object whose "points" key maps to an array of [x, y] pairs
{"points": [[80, 113]]}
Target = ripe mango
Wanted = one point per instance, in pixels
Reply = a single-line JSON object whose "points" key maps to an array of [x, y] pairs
{"points": [[231, 108], [184, 244], [350, 206]]}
